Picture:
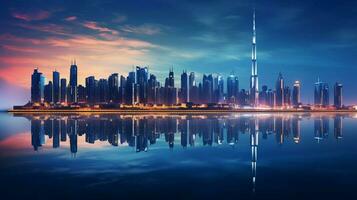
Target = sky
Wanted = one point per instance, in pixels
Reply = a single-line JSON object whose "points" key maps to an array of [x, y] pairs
{"points": [[304, 40]]}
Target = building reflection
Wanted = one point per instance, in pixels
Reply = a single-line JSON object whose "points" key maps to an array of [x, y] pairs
{"points": [[141, 132]]}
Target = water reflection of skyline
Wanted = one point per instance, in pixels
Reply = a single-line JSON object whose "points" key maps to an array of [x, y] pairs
{"points": [[140, 132]]}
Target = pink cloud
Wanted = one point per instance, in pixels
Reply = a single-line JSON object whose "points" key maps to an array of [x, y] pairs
{"points": [[71, 18], [35, 16], [94, 26], [95, 56]]}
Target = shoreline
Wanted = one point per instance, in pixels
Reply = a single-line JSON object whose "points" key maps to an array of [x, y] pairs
{"points": [[174, 111]]}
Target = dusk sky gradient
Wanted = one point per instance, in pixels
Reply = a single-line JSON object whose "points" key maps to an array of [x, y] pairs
{"points": [[303, 40]]}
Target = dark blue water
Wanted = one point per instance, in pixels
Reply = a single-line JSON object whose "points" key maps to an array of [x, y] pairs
{"points": [[238, 156]]}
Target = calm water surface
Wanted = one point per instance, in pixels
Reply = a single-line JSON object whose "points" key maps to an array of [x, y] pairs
{"points": [[231, 156]]}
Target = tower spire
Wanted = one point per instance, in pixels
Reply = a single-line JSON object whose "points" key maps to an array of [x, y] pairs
{"points": [[254, 93]]}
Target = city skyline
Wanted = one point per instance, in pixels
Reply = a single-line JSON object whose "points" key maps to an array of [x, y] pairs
{"points": [[141, 88], [222, 42]]}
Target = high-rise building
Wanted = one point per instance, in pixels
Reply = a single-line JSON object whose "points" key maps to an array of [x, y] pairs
{"points": [[185, 95], [113, 84], [192, 88], [287, 96], [81, 93], [338, 95], [321, 94], [48, 92], [142, 76], [122, 89], [130, 89], [56, 87], [207, 89], [171, 79], [73, 83], [219, 91], [254, 91], [153, 84], [103, 90], [232, 89], [279, 88], [37, 86], [63, 90], [91, 90], [263, 96], [296, 97], [271, 98]]}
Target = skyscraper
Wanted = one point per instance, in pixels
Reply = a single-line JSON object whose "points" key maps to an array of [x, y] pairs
{"points": [[113, 84], [56, 87], [153, 84], [254, 93], [296, 99], [103, 90], [91, 90], [130, 88], [122, 88], [184, 88], [73, 83], [263, 96], [48, 92], [142, 76], [171, 80], [37, 86], [192, 88], [338, 95], [219, 92], [321, 94], [287, 96], [63, 90], [207, 89], [279, 87], [232, 89]]}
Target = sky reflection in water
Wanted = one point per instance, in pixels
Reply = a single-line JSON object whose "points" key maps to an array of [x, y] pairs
{"points": [[183, 156]]}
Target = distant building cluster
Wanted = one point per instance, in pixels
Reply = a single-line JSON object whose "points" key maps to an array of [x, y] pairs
{"points": [[141, 88]]}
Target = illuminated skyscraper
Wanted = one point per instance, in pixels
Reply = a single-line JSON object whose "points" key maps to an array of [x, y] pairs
{"points": [[56, 87], [73, 83], [37, 86], [321, 94], [113, 84], [338, 95], [296, 99], [142, 76], [63, 89], [279, 87], [232, 89], [254, 93], [185, 96]]}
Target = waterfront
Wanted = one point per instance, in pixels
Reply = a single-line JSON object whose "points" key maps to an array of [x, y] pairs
{"points": [[226, 156]]}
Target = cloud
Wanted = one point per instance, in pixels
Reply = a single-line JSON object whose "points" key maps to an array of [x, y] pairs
{"points": [[32, 16], [48, 28], [94, 26], [95, 55], [146, 29], [71, 18]]}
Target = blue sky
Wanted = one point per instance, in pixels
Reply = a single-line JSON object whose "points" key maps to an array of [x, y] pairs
{"points": [[302, 39]]}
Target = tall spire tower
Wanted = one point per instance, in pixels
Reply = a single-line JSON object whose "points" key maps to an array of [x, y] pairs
{"points": [[254, 93]]}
